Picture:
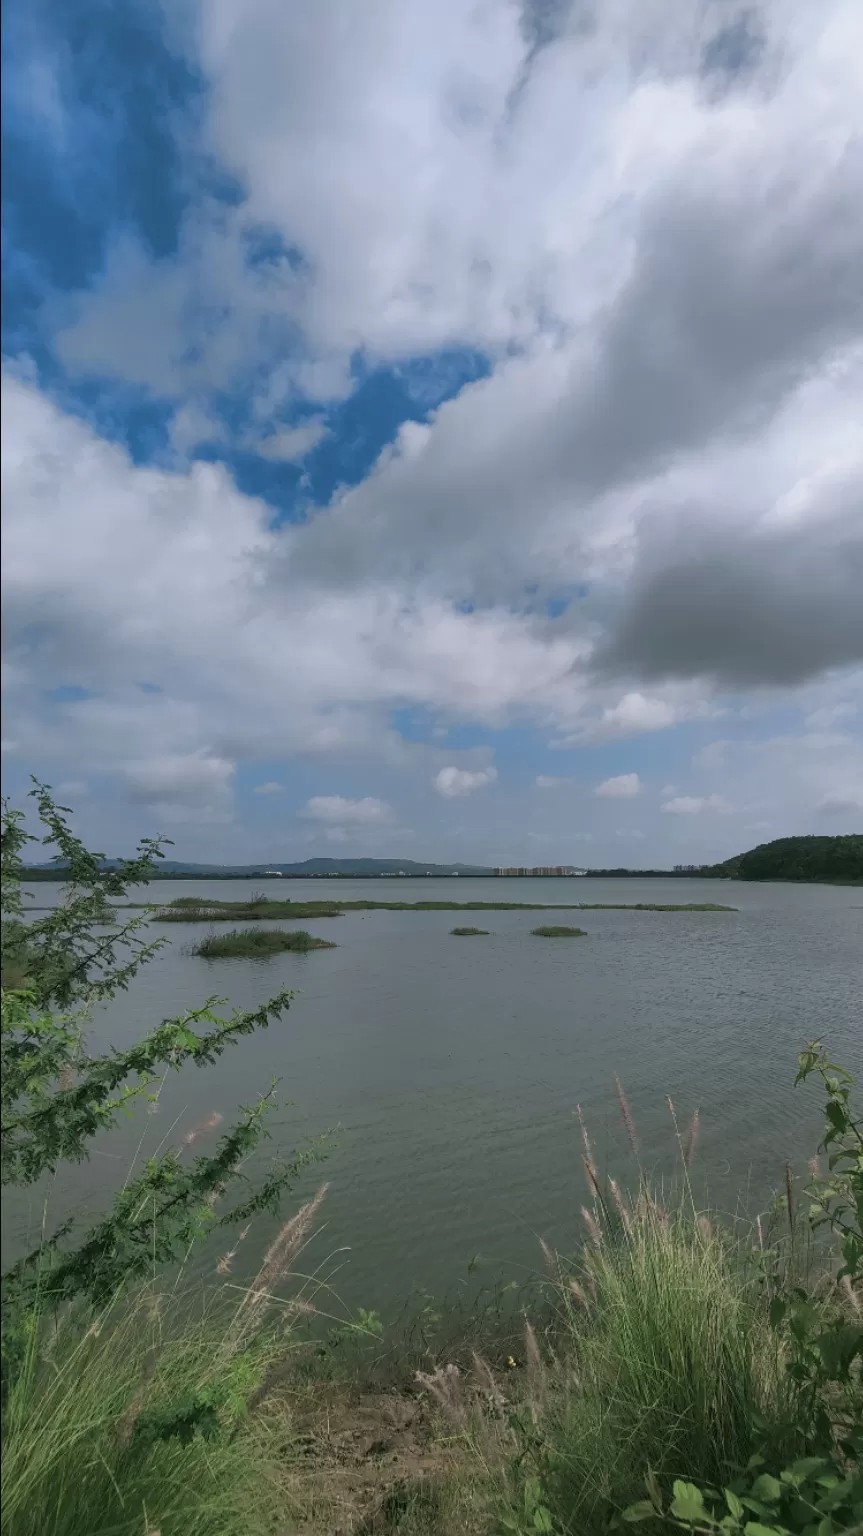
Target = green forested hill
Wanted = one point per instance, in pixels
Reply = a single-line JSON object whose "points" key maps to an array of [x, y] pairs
{"points": [[838, 859]]}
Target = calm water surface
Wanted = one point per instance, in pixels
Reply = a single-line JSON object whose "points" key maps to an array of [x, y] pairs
{"points": [[452, 1067]]}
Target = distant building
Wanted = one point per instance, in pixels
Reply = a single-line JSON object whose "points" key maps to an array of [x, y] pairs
{"points": [[544, 871]]}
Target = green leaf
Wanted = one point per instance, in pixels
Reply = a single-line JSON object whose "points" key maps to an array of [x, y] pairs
{"points": [[767, 1488], [778, 1309], [801, 1471], [688, 1503], [734, 1504], [643, 1510]]}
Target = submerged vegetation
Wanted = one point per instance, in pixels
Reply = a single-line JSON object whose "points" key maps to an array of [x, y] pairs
{"points": [[555, 931], [258, 943], [673, 1370]]}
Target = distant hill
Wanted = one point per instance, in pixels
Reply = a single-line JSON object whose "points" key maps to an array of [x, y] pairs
{"points": [[173, 869], [832, 860]]}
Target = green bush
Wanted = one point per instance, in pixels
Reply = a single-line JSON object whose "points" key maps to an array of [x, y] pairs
{"points": [[701, 1382], [122, 1412]]}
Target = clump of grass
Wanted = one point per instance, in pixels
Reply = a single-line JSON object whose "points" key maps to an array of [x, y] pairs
{"points": [[653, 906], [258, 943], [152, 1415], [668, 1365], [553, 931], [469, 933]]}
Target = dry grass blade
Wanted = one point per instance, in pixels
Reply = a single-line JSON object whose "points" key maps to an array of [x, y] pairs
{"points": [[592, 1178], [592, 1225], [692, 1139], [208, 1124], [445, 1386], [550, 1259], [626, 1111], [623, 1210], [588, 1150], [279, 1258], [532, 1356]]}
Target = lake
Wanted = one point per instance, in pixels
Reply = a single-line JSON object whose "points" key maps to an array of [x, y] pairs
{"points": [[452, 1067]]}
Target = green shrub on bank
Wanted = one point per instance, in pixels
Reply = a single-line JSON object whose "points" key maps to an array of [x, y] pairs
{"points": [[701, 1384], [121, 1414]]}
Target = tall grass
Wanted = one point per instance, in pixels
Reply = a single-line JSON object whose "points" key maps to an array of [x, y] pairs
{"points": [[667, 1363], [152, 1417], [88, 1443]]}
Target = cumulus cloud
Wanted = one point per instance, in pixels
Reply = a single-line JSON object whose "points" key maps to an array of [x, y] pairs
{"points": [[194, 779], [623, 787], [290, 444], [669, 428], [336, 810], [452, 782], [850, 804], [747, 604], [693, 805]]}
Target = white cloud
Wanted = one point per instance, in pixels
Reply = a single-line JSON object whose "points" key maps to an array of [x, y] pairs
{"points": [[272, 787], [451, 782], [175, 779], [290, 444], [849, 802], [623, 787], [72, 789], [336, 810], [694, 805], [668, 337]]}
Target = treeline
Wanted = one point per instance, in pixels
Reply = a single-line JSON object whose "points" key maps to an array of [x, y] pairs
{"points": [[824, 859]]}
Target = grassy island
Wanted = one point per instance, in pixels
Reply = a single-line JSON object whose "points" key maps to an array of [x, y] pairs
{"points": [[556, 931], [258, 943], [469, 933], [198, 909]]}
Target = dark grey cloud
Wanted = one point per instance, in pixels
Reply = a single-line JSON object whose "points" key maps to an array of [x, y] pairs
{"points": [[737, 295], [734, 50], [745, 609]]}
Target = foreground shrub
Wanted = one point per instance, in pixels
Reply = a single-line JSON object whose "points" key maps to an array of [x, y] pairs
{"points": [[119, 1413]]}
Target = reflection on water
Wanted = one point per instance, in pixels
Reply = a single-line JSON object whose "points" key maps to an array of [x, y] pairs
{"points": [[452, 1068]]}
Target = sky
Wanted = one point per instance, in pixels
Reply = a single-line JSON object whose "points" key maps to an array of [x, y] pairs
{"points": [[434, 430]]}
